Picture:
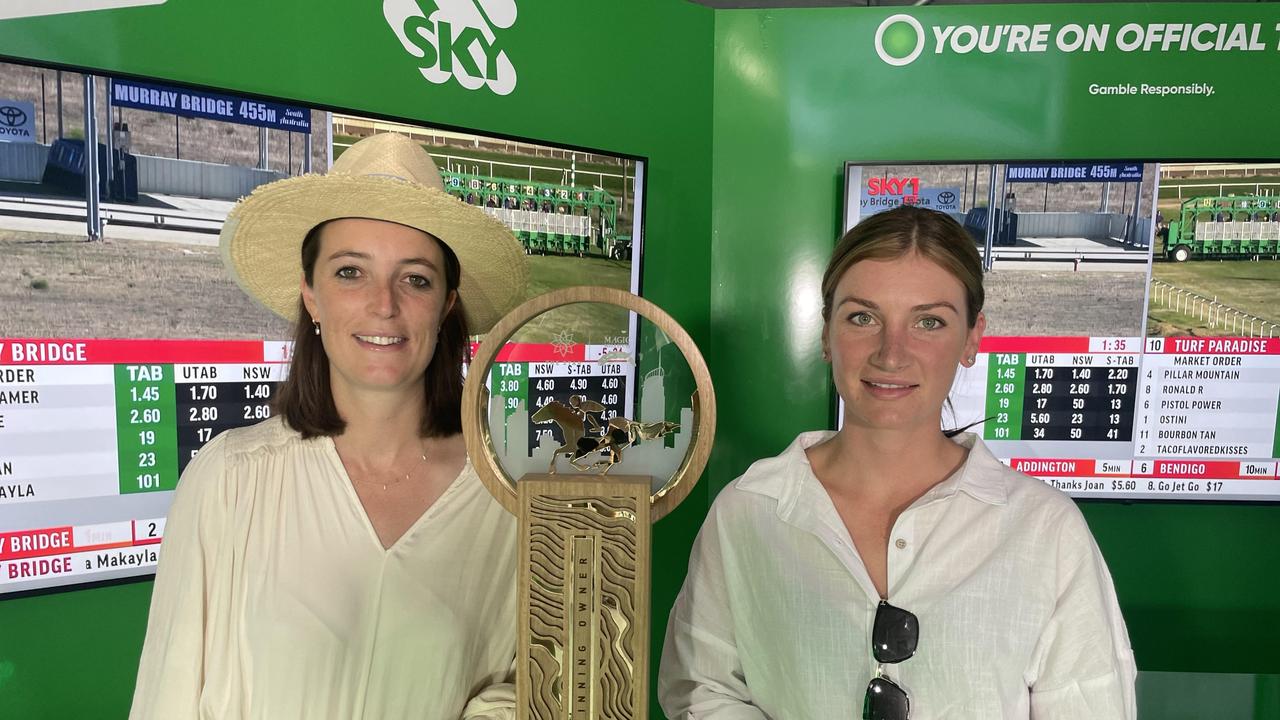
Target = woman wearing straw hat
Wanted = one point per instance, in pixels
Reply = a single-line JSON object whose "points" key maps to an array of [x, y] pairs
{"points": [[343, 560]]}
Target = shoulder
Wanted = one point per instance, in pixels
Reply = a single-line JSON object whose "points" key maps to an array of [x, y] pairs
{"points": [[268, 437], [769, 484], [1031, 506], [235, 453]]}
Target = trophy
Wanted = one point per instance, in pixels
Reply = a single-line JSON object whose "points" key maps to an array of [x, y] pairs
{"points": [[585, 502]]}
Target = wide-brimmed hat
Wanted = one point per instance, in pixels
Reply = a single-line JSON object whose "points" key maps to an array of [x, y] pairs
{"points": [[383, 177]]}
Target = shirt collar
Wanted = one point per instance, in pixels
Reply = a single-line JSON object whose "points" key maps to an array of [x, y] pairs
{"points": [[982, 476]]}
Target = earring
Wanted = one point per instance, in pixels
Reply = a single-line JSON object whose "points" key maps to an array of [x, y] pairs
{"points": [[826, 356], [317, 326], [972, 359]]}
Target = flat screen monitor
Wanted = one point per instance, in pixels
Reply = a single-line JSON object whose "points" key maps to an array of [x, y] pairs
{"points": [[1130, 350], [120, 358]]}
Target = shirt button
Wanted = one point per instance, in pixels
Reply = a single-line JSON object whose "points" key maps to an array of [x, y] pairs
{"points": [[900, 544]]}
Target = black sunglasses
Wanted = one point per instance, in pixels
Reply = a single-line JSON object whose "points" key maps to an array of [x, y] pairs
{"points": [[893, 639]]}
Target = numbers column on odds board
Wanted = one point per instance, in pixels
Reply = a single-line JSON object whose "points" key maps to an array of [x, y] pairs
{"points": [[1084, 397], [214, 398], [604, 383], [511, 381], [1006, 376], [146, 442]]}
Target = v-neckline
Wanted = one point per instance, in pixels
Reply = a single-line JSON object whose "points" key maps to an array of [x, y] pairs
{"points": [[331, 450]]}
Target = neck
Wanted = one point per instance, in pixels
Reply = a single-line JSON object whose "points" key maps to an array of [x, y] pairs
{"points": [[381, 426], [890, 466]]}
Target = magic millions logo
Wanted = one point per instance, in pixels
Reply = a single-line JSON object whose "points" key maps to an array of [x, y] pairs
{"points": [[457, 40]]}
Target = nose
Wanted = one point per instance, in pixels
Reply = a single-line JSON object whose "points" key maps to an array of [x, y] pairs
{"points": [[892, 353], [383, 301]]}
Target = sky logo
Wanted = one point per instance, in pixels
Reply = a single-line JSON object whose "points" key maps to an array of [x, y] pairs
{"points": [[458, 40]]}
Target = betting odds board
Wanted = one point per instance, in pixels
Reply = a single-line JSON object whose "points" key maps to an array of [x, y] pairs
{"points": [[1124, 418], [94, 435]]}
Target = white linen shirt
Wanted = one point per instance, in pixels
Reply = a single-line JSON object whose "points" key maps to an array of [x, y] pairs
{"points": [[1018, 616], [275, 599]]}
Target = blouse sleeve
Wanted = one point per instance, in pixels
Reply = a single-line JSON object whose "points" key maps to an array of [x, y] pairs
{"points": [[701, 676], [496, 701], [171, 671], [1083, 664]]}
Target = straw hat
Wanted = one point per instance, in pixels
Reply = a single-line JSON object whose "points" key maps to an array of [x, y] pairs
{"points": [[383, 177]]}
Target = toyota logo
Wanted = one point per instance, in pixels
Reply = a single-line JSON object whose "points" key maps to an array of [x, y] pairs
{"points": [[12, 116], [946, 197]]}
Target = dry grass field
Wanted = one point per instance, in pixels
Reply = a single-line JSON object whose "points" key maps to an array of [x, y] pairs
{"points": [[57, 286]]}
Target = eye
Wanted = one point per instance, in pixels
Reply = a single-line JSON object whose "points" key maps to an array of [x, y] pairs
{"points": [[419, 281], [348, 272], [931, 323], [861, 318]]}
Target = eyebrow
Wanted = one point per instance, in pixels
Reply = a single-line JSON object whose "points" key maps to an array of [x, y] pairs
{"points": [[917, 308], [366, 256]]}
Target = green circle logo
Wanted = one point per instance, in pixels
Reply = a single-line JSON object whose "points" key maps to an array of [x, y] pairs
{"points": [[899, 40]]}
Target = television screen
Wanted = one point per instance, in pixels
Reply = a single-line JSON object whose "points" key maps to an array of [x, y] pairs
{"points": [[121, 357], [1130, 348]]}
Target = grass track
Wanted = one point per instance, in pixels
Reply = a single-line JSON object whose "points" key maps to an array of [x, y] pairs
{"points": [[586, 323], [1252, 287]]}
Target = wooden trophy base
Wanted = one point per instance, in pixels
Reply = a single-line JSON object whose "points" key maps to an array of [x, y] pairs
{"points": [[584, 597]]}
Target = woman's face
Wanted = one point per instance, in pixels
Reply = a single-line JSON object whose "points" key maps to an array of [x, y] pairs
{"points": [[379, 294], [896, 335]]}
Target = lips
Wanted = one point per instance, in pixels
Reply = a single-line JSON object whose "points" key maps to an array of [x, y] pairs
{"points": [[381, 340], [886, 390]]}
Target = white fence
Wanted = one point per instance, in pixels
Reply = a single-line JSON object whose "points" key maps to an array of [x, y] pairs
{"points": [[1093, 226], [189, 178], [1210, 311], [23, 162]]}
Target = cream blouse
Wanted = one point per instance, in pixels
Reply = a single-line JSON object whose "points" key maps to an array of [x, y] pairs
{"points": [[275, 600]]}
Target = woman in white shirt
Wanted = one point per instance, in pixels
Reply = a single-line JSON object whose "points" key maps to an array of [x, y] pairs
{"points": [[891, 569], [343, 560]]}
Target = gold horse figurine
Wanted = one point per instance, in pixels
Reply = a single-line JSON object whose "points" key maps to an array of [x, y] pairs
{"points": [[608, 440]]}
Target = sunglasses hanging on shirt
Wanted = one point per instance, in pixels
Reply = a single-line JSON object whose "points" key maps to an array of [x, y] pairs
{"points": [[894, 636]]}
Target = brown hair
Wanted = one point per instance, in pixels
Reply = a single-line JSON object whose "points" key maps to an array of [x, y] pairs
{"points": [[305, 398], [903, 230]]}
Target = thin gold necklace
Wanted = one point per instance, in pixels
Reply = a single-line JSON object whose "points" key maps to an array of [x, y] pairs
{"points": [[397, 481]]}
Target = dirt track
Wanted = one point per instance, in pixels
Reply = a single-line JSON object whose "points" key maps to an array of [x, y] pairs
{"points": [[1050, 302]]}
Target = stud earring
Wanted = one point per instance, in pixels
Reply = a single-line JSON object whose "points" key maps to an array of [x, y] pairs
{"points": [[317, 326]]}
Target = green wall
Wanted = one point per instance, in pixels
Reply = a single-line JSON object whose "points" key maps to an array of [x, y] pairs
{"points": [[626, 77], [746, 118], [799, 92]]}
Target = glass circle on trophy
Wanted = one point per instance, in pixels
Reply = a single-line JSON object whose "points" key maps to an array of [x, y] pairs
{"points": [[589, 381]]}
